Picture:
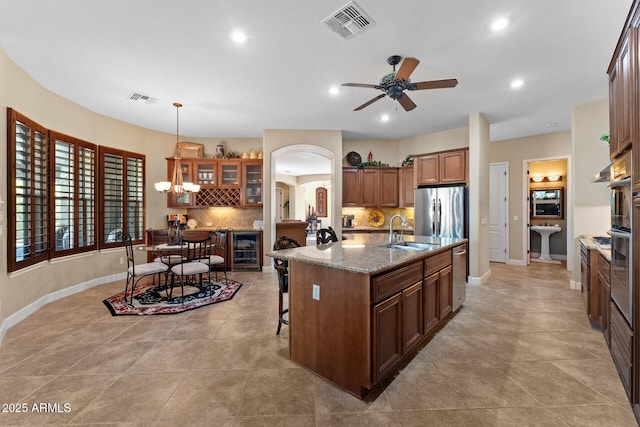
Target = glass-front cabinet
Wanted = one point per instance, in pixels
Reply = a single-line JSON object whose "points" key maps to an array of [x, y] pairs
{"points": [[186, 199], [229, 173], [252, 183], [206, 173]]}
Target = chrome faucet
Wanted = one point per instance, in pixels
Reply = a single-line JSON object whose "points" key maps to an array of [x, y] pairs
{"points": [[391, 233]]}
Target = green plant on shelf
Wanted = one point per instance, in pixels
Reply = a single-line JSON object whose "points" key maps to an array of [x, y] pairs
{"points": [[372, 163]]}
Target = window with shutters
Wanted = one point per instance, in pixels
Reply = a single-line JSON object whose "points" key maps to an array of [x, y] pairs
{"points": [[121, 196], [57, 185], [28, 198], [74, 199]]}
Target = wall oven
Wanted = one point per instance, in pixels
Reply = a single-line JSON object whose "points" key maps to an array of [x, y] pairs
{"points": [[621, 261]]}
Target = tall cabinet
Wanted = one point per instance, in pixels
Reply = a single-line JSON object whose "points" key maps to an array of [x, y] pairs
{"points": [[624, 103]]}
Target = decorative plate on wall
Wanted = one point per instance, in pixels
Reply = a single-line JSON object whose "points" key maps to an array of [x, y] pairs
{"points": [[376, 218], [353, 158]]}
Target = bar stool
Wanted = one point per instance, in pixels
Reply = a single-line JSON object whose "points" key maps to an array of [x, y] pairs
{"points": [[281, 266]]}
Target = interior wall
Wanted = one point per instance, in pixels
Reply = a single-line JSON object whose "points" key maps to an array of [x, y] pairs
{"points": [[479, 171], [515, 152], [20, 92], [429, 143], [327, 143], [591, 201], [383, 150]]}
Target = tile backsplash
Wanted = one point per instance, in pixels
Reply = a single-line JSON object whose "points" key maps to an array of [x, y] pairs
{"points": [[226, 217]]}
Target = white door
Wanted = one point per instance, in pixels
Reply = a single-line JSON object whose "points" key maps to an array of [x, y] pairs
{"points": [[498, 227]]}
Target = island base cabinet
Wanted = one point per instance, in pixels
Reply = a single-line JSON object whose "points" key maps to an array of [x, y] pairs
{"points": [[445, 289], [387, 335], [431, 312], [397, 328], [331, 335]]}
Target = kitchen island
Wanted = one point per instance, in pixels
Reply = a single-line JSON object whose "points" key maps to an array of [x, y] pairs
{"points": [[360, 306]]}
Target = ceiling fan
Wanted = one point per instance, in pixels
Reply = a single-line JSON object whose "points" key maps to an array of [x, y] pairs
{"points": [[394, 84]]}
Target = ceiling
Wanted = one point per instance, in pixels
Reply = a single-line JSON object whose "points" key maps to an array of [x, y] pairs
{"points": [[98, 53]]}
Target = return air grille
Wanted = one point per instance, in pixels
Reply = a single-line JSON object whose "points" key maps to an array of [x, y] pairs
{"points": [[138, 97], [348, 21]]}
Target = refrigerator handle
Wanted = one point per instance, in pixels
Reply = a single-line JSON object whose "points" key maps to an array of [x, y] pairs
{"points": [[439, 216], [433, 216]]}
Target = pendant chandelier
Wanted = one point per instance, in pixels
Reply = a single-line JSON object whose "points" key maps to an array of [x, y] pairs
{"points": [[177, 186]]}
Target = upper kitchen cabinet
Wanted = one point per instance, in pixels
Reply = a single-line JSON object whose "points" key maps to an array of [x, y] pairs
{"points": [[223, 183], [622, 98], [252, 183], [445, 167], [229, 173], [406, 186], [186, 199], [370, 187]]}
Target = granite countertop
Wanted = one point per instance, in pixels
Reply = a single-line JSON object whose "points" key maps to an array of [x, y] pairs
{"points": [[589, 243], [380, 229], [364, 253]]}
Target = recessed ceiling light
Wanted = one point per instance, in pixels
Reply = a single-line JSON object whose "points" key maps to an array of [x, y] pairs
{"points": [[384, 118], [517, 83], [238, 37], [499, 24], [334, 90]]}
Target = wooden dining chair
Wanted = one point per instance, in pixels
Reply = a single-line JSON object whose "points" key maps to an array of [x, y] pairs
{"points": [[326, 235], [282, 268], [190, 267], [137, 272]]}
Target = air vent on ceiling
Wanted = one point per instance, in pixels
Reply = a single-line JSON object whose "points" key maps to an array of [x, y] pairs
{"points": [[348, 21], [138, 97]]}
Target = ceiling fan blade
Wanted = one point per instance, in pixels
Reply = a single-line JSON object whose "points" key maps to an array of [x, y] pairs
{"points": [[362, 85], [434, 84], [406, 102], [371, 101], [406, 68]]}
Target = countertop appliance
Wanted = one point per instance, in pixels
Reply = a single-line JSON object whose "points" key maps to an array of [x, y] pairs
{"points": [[440, 211], [621, 248], [459, 263], [347, 221]]}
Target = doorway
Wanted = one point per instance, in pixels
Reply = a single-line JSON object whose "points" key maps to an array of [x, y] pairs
{"points": [[547, 194]]}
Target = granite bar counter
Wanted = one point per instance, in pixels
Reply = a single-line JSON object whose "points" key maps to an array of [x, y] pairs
{"points": [[358, 308]]}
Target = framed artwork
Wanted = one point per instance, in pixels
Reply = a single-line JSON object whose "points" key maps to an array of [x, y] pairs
{"points": [[321, 202], [190, 150]]}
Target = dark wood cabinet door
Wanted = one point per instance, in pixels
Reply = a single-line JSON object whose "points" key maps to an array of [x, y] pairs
{"points": [[388, 188], [426, 169], [445, 289], [431, 312], [406, 187], [413, 316], [350, 187], [453, 166], [584, 279], [387, 335], [370, 180], [605, 300]]}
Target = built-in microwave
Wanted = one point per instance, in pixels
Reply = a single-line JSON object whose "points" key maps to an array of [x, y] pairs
{"points": [[621, 202], [621, 195]]}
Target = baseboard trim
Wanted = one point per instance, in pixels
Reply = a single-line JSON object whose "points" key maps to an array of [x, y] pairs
{"points": [[517, 262], [479, 280], [576, 286], [25, 312]]}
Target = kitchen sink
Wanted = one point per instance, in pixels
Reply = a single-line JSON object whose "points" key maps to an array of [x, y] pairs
{"points": [[413, 246]]}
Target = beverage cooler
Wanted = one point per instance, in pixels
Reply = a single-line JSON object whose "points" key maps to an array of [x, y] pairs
{"points": [[246, 251]]}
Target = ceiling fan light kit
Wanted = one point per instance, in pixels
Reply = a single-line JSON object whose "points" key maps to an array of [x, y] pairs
{"points": [[395, 83]]}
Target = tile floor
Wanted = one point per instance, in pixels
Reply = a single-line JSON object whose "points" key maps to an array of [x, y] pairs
{"points": [[521, 352]]}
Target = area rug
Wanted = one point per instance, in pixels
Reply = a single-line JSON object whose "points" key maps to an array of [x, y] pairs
{"points": [[152, 299]]}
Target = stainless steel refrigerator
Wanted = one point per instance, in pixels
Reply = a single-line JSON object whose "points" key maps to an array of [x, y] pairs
{"points": [[440, 211]]}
